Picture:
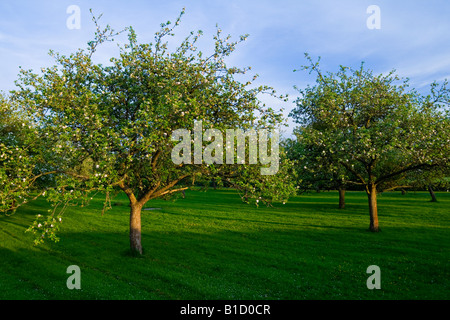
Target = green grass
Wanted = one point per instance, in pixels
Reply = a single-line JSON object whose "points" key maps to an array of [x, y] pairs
{"points": [[212, 246]]}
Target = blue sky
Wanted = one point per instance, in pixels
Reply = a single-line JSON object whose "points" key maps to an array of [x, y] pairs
{"points": [[414, 37]]}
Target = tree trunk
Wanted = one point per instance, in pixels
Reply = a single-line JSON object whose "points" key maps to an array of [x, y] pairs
{"points": [[373, 209], [433, 196], [341, 198], [135, 228]]}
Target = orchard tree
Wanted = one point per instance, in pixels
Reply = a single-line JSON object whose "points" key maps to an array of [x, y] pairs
{"points": [[116, 121], [316, 169], [429, 180], [374, 127]]}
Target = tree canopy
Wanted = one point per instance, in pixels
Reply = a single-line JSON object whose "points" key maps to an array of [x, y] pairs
{"points": [[109, 127], [373, 126]]}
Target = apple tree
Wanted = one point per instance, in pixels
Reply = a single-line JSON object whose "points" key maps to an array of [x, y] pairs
{"points": [[109, 127], [374, 127]]}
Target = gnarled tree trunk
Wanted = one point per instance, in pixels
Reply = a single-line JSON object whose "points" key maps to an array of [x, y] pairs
{"points": [[135, 219], [431, 191], [341, 198], [135, 228], [373, 209]]}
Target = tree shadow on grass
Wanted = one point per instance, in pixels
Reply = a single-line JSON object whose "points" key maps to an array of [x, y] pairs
{"points": [[227, 264]]}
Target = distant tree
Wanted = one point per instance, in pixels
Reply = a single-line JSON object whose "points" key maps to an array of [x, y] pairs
{"points": [[374, 127], [265, 189], [429, 180], [315, 171], [110, 127]]}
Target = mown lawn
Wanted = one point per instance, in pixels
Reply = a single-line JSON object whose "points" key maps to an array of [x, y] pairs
{"points": [[212, 246]]}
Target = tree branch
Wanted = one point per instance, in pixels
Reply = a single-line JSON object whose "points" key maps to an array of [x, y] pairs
{"points": [[155, 159], [148, 194], [128, 191], [393, 188], [408, 168], [174, 190], [152, 194], [349, 168]]}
